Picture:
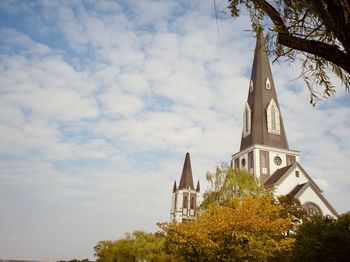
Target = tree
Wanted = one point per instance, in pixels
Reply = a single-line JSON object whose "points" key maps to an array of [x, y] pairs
{"points": [[323, 239], [244, 229], [227, 183], [291, 207], [316, 32], [138, 246]]}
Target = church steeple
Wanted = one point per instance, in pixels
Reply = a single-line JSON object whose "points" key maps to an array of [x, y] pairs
{"points": [[185, 196], [186, 180], [262, 120], [264, 149]]}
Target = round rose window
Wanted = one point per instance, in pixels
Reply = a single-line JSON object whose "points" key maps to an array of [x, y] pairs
{"points": [[312, 209], [278, 160]]}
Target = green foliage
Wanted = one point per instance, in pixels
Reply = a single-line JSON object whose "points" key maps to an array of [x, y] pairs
{"points": [[227, 183], [245, 229], [323, 239], [291, 207], [138, 246], [313, 33]]}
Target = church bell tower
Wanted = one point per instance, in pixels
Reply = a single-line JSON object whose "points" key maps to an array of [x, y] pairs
{"points": [[264, 147], [185, 196]]}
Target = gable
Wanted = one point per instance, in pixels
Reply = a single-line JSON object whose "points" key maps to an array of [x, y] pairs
{"points": [[288, 177], [309, 194]]}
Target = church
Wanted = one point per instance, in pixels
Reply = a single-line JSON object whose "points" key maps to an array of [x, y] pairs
{"points": [[264, 150]]}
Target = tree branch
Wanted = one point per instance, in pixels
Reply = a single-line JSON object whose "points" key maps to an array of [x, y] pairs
{"points": [[326, 51]]}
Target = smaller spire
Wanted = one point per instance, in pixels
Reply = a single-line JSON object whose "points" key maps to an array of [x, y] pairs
{"points": [[186, 180], [174, 187], [198, 189]]}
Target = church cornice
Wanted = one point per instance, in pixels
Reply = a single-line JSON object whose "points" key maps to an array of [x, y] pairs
{"points": [[267, 148]]}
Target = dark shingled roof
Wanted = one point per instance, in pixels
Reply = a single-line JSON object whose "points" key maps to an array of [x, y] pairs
{"points": [[296, 189], [271, 181], [186, 180], [258, 101]]}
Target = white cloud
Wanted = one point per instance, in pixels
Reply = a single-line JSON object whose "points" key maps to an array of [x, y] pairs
{"points": [[101, 101], [133, 83], [116, 102]]}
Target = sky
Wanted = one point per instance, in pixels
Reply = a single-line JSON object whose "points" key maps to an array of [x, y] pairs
{"points": [[100, 101]]}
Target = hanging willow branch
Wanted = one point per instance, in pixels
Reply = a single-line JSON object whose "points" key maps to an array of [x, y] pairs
{"points": [[315, 32]]}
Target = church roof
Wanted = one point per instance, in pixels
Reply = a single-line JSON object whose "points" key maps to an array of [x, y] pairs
{"points": [[276, 176], [258, 100], [280, 174], [186, 180], [297, 189]]}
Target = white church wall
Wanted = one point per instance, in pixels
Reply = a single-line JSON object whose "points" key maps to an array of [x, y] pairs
{"points": [[245, 157], [291, 181], [273, 166], [256, 157], [173, 207]]}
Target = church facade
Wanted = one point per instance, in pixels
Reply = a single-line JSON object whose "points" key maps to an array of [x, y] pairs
{"points": [[264, 150]]}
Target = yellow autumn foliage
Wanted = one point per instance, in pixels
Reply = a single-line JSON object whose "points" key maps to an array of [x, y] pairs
{"points": [[248, 229]]}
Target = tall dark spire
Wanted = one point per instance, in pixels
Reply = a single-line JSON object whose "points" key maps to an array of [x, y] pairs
{"points": [[261, 93], [186, 180]]}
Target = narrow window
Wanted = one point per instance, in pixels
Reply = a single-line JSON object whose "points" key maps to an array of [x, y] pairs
{"points": [[267, 83], [185, 202], [297, 173], [251, 86], [192, 203], [246, 121], [273, 118]]}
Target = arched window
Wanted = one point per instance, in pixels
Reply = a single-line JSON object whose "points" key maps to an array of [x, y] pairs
{"points": [[273, 118], [185, 202], [246, 120], [251, 86], [267, 83], [192, 203], [312, 209], [263, 161]]}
